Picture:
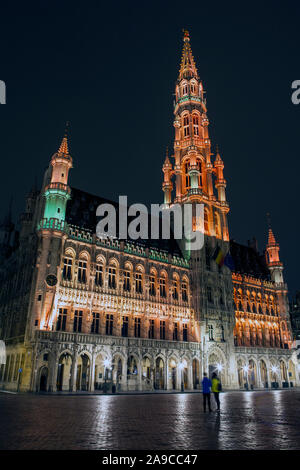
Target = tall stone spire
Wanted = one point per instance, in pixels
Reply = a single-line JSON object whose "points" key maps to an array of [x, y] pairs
{"points": [[187, 67]]}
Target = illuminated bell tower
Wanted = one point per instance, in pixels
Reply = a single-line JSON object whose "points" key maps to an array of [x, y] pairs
{"points": [[199, 179]]}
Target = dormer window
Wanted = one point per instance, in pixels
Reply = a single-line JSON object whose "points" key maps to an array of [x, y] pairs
{"points": [[184, 90]]}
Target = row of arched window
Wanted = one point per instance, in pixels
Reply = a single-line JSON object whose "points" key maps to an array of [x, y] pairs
{"points": [[254, 302], [132, 280], [189, 88], [190, 124], [257, 335], [107, 324]]}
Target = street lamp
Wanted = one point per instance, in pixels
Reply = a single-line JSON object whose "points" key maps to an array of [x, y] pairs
{"points": [[246, 369], [219, 368]]}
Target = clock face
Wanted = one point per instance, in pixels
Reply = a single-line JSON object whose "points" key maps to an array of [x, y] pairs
{"points": [[51, 280]]}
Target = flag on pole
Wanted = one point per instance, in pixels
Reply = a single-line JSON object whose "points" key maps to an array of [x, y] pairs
{"points": [[218, 256]]}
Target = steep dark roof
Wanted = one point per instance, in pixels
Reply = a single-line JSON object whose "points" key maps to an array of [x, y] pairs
{"points": [[248, 261], [81, 211]]}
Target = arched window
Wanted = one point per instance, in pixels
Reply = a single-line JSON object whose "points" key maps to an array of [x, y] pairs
{"points": [[99, 275], [222, 333], [67, 268], [175, 287], [82, 268], [163, 285], [187, 176], [199, 166], [186, 126], [139, 280], [127, 283], [196, 125], [210, 332], [112, 276], [152, 282], [184, 291], [193, 88], [185, 89]]}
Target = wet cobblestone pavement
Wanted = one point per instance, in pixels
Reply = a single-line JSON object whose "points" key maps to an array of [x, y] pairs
{"points": [[248, 420]]}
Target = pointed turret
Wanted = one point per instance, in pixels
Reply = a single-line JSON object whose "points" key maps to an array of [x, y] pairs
{"points": [[58, 192], [272, 257], [167, 184], [188, 67], [220, 181], [63, 149]]}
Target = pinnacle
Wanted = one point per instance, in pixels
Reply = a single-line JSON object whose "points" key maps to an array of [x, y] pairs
{"points": [[63, 149], [187, 67], [271, 238]]}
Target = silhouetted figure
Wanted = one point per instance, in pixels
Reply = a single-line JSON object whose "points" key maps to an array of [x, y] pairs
{"points": [[216, 389], [206, 385]]}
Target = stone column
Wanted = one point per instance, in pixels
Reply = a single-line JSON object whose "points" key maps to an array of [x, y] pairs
{"points": [[53, 371], [190, 376], [124, 373], [73, 372], [140, 384], [166, 373], [92, 373]]}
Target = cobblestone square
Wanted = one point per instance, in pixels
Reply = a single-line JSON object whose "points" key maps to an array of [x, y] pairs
{"points": [[248, 420]]}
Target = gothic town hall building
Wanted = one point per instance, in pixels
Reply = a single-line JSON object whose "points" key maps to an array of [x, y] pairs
{"points": [[82, 313]]}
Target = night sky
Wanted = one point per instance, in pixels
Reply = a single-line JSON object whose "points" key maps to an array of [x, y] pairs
{"points": [[110, 68]]}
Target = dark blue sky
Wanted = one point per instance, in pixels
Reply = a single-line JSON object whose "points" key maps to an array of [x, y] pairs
{"points": [[110, 68]]}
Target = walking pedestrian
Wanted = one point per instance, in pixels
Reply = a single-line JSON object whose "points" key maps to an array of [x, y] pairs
{"points": [[216, 388], [206, 385]]}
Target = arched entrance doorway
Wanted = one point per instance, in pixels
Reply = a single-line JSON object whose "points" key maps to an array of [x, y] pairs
{"points": [[183, 371], [99, 372], [196, 374], [43, 379], [83, 373], [252, 376], [132, 373], [117, 369], [146, 374], [159, 382], [292, 373], [264, 374], [64, 372], [283, 371], [173, 374]]}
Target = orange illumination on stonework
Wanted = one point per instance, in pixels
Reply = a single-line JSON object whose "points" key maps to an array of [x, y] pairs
{"points": [[190, 175]]}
